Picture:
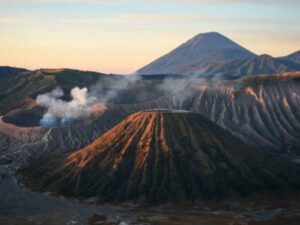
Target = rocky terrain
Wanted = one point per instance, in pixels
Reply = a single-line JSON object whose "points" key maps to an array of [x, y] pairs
{"points": [[262, 111], [164, 156]]}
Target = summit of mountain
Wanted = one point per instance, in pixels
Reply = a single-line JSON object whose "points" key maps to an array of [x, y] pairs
{"points": [[203, 49]]}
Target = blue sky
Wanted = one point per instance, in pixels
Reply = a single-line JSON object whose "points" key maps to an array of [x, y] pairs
{"points": [[119, 36]]}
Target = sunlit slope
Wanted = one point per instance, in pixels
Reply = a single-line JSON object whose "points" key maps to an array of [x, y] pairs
{"points": [[264, 111], [164, 156]]}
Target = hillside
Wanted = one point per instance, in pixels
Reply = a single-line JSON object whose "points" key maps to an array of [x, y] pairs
{"points": [[295, 57], [164, 156], [203, 49], [6, 71], [234, 69], [20, 90], [263, 111]]}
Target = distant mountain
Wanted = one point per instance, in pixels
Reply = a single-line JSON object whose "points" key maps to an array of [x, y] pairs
{"points": [[6, 71], [295, 57], [202, 50], [234, 69], [160, 156]]}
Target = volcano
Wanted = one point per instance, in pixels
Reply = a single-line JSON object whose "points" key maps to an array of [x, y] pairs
{"points": [[32, 116], [159, 156], [201, 50]]}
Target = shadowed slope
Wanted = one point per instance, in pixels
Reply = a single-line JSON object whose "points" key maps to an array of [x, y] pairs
{"points": [[234, 69], [6, 71], [295, 57], [163, 156], [19, 90], [203, 49]]}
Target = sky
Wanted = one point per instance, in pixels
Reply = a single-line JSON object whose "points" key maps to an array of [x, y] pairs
{"points": [[120, 36]]}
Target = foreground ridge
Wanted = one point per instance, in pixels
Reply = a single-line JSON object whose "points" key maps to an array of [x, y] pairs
{"points": [[162, 156]]}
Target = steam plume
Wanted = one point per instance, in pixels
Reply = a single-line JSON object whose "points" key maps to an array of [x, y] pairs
{"points": [[115, 90], [61, 113]]}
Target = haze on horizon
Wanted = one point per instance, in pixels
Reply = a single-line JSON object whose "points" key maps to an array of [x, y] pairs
{"points": [[120, 36]]}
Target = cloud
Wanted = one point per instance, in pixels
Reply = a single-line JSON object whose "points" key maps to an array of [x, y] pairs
{"points": [[155, 18], [152, 18], [61, 113]]}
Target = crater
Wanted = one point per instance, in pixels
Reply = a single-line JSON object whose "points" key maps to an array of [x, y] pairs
{"points": [[25, 118], [32, 117]]}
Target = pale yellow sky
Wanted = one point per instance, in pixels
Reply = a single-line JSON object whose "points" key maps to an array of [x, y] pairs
{"points": [[123, 36]]}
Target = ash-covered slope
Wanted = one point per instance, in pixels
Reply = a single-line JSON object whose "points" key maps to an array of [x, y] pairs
{"points": [[6, 71], [203, 49], [235, 69], [19, 90], [295, 57], [164, 156], [263, 111], [23, 140]]}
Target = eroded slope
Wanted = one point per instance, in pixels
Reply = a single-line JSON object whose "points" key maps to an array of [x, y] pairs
{"points": [[164, 156]]}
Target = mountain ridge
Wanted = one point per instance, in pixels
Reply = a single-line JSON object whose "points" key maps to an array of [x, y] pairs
{"points": [[234, 69], [196, 50], [6, 71], [295, 57]]}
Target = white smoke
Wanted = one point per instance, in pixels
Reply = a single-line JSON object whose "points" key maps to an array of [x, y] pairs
{"points": [[61, 113], [110, 90], [114, 90]]}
